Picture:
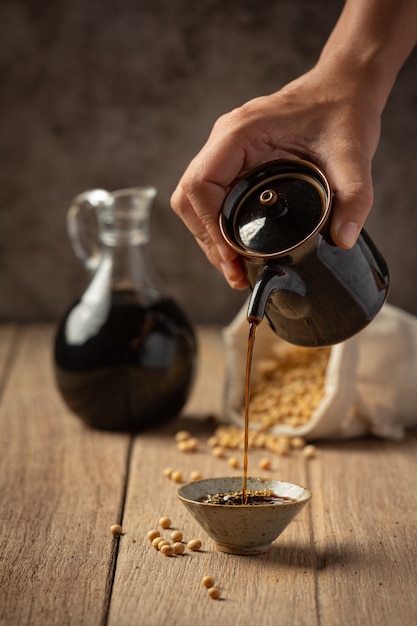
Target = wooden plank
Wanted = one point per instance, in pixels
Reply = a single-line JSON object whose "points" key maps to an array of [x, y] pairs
{"points": [[350, 557], [8, 341], [156, 590], [207, 394], [278, 587], [61, 486], [365, 532]]}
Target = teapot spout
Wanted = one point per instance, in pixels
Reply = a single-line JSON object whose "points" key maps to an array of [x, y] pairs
{"points": [[269, 281]]}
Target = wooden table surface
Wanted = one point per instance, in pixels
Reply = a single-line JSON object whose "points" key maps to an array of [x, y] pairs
{"points": [[349, 558]]}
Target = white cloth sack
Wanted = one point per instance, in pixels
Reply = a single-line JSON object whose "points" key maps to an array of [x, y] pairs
{"points": [[370, 383]]}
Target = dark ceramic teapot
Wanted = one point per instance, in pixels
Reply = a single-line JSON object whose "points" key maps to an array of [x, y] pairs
{"points": [[312, 292]]}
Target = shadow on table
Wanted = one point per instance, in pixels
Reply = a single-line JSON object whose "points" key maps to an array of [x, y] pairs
{"points": [[201, 426], [295, 555]]}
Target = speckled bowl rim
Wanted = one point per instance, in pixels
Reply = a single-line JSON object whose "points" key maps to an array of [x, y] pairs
{"points": [[237, 481]]}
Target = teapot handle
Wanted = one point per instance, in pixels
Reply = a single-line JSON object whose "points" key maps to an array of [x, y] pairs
{"points": [[82, 226], [270, 280]]}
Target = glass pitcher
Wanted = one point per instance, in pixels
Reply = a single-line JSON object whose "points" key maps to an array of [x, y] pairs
{"points": [[125, 353]]}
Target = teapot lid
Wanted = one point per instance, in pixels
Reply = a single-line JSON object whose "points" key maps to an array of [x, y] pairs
{"points": [[275, 208]]}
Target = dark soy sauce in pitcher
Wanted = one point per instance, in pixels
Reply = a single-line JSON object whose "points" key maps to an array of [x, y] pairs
{"points": [[134, 372]]}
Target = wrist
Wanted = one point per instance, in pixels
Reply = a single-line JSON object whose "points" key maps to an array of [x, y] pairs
{"points": [[356, 78], [368, 46]]}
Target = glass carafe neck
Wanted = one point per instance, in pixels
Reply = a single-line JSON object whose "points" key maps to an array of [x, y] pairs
{"points": [[99, 219], [110, 234], [124, 220], [123, 229]]}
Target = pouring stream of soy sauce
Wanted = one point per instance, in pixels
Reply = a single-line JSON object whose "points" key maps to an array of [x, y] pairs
{"points": [[253, 324]]}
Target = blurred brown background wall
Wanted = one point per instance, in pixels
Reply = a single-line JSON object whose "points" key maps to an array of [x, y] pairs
{"points": [[124, 92]]}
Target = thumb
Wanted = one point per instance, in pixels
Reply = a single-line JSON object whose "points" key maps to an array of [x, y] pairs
{"points": [[353, 199]]}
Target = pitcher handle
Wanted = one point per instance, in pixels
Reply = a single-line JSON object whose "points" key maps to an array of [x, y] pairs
{"points": [[83, 228]]}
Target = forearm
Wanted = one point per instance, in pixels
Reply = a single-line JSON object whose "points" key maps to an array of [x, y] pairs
{"points": [[370, 42]]}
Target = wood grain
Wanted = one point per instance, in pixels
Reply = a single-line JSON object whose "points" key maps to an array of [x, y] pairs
{"points": [[365, 532], [349, 558], [169, 590], [162, 590], [61, 487]]}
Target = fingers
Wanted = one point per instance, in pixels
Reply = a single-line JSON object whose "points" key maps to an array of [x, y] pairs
{"points": [[185, 210], [205, 228], [236, 144], [234, 274], [198, 199], [201, 218], [232, 270]]}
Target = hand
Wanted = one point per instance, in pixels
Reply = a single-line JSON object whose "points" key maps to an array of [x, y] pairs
{"points": [[328, 119]]}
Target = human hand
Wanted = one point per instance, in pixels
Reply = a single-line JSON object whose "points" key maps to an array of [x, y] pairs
{"points": [[330, 119]]}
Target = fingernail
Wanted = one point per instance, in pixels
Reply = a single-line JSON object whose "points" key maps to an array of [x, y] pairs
{"points": [[347, 233], [225, 252], [230, 274], [228, 271]]}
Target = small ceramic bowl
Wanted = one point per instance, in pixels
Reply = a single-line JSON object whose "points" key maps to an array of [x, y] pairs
{"points": [[240, 528]]}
